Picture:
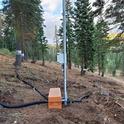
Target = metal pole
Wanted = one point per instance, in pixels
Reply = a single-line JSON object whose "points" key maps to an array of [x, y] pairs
{"points": [[65, 57]]}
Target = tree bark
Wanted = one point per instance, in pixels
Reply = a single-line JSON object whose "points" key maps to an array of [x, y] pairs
{"points": [[69, 59], [102, 64], [18, 43]]}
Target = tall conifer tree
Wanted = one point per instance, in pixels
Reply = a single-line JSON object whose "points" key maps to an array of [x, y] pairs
{"points": [[84, 33], [25, 18]]}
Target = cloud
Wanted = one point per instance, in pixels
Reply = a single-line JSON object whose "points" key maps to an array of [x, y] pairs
{"points": [[50, 22], [51, 5], [52, 16]]}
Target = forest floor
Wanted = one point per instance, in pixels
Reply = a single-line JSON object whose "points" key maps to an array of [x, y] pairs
{"points": [[104, 106]]}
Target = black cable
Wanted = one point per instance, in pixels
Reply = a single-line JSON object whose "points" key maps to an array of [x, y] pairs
{"points": [[81, 98], [26, 82], [42, 102], [26, 104], [23, 105]]}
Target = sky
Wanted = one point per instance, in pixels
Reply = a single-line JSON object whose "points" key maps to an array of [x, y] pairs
{"points": [[52, 14], [0, 3]]}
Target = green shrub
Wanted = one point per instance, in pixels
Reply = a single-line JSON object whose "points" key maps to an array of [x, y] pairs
{"points": [[4, 51]]}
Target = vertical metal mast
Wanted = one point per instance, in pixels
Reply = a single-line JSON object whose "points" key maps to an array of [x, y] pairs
{"points": [[65, 56]]}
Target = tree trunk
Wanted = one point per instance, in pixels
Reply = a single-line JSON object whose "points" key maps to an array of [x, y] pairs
{"points": [[82, 66], [114, 72], [43, 62], [18, 43], [122, 72], [102, 64], [82, 70], [43, 59], [99, 65], [85, 59], [69, 59]]}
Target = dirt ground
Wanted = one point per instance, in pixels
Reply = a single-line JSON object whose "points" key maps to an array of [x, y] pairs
{"points": [[104, 106]]}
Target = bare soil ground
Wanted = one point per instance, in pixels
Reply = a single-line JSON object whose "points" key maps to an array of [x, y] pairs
{"points": [[104, 106]]}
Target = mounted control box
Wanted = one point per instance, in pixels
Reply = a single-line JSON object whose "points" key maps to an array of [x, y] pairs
{"points": [[60, 58]]}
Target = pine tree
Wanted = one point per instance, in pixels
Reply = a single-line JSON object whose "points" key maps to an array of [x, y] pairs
{"points": [[101, 33], [25, 19], [41, 45], [99, 4], [9, 39], [116, 11], [101, 45], [44, 48], [122, 62], [1, 30], [39, 42], [84, 33]]}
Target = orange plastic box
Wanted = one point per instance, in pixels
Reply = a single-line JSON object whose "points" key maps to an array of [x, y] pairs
{"points": [[55, 99]]}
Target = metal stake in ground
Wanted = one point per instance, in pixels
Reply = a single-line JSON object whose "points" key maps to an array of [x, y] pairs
{"points": [[65, 56]]}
